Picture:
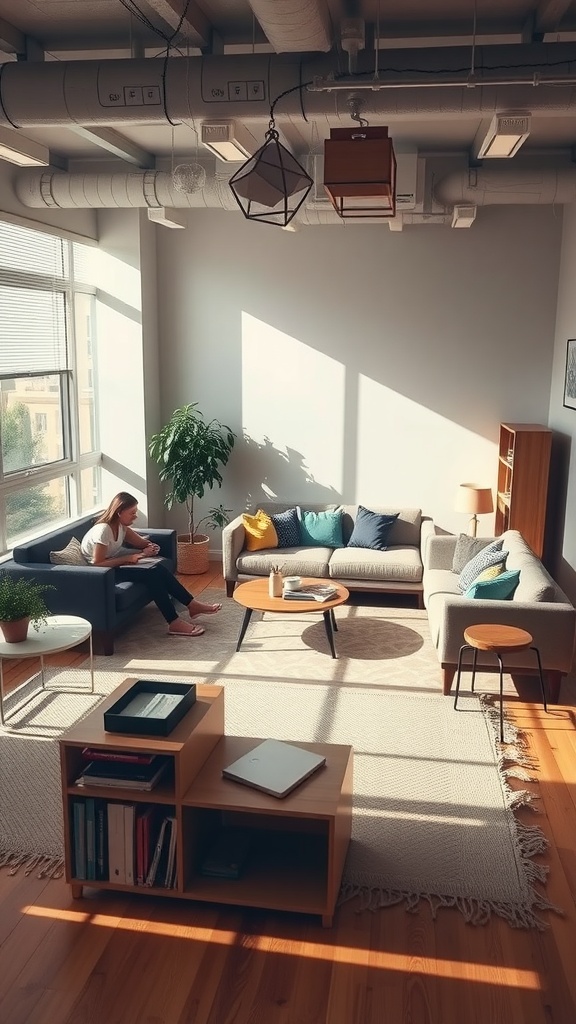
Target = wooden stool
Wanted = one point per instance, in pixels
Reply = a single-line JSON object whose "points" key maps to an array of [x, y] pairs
{"points": [[499, 640]]}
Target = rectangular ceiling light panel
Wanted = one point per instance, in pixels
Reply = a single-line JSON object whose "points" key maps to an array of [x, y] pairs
{"points": [[17, 149], [227, 140], [505, 135]]}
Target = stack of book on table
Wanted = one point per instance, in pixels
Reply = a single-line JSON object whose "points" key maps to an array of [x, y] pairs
{"points": [[311, 592], [126, 771]]}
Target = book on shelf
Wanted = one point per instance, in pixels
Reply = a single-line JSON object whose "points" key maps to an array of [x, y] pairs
{"points": [[101, 841], [79, 838], [90, 815], [123, 775], [146, 818], [312, 592], [129, 757], [227, 854], [129, 842], [116, 843], [152, 870]]}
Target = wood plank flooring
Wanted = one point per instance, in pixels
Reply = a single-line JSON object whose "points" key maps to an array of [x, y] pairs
{"points": [[117, 959]]}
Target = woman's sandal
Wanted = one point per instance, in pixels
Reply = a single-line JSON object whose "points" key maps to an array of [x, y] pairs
{"points": [[211, 609], [186, 631]]}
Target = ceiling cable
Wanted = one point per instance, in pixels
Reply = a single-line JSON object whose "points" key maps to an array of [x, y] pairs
{"points": [[377, 46], [473, 57]]}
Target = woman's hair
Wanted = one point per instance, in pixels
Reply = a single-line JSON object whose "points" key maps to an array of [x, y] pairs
{"points": [[119, 502]]}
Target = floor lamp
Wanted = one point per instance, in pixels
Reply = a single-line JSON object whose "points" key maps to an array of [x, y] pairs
{"points": [[475, 501]]}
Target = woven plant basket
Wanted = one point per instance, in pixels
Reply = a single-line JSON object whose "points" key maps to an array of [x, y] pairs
{"points": [[193, 558]]}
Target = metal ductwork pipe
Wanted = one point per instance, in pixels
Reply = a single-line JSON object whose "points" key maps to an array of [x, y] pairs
{"points": [[292, 26], [153, 91], [512, 185]]}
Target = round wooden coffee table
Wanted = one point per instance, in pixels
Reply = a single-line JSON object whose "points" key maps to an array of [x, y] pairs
{"points": [[254, 597]]}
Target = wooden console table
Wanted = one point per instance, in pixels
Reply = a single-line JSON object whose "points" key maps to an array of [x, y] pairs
{"points": [[299, 842]]}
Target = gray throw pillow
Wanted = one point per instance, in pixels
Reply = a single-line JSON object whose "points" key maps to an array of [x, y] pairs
{"points": [[70, 555], [467, 547], [491, 555]]}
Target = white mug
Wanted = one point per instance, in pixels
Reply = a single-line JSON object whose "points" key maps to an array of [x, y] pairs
{"points": [[292, 582]]}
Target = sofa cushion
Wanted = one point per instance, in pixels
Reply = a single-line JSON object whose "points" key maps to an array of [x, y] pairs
{"points": [[371, 529], [535, 583], [292, 562], [467, 547], [396, 564], [405, 531], [287, 528], [490, 555], [501, 588], [320, 529], [260, 531], [70, 555]]}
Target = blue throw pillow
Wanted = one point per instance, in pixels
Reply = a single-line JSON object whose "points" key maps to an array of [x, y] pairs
{"points": [[490, 555], [321, 529], [371, 529], [501, 588], [287, 528]]}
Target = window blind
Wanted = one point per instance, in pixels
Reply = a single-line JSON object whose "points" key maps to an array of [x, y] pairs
{"points": [[33, 269]]}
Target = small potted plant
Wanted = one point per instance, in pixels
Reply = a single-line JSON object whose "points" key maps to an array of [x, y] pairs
{"points": [[21, 603], [190, 452]]}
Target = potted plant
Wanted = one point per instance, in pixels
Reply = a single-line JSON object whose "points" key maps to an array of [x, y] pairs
{"points": [[190, 452], [21, 603]]}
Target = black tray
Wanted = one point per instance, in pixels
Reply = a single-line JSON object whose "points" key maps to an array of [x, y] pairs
{"points": [[117, 720]]}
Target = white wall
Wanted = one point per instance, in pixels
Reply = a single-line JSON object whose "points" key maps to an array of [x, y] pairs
{"points": [[361, 364], [123, 347], [562, 419]]}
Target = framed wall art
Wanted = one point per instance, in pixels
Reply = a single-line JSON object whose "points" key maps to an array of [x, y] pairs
{"points": [[570, 375]]}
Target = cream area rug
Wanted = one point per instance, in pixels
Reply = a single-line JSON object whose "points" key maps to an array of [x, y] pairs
{"points": [[433, 811]]}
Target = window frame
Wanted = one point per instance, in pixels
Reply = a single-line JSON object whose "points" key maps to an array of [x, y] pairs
{"points": [[73, 462]]}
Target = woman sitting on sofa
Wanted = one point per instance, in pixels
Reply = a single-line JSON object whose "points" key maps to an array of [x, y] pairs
{"points": [[104, 544]]}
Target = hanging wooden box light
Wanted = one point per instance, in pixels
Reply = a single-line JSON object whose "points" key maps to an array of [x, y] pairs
{"points": [[360, 172]]}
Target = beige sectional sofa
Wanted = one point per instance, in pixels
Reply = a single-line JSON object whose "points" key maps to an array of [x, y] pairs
{"points": [[399, 568], [538, 605]]}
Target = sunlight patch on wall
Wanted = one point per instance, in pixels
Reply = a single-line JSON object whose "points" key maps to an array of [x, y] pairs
{"points": [[404, 449], [293, 396]]}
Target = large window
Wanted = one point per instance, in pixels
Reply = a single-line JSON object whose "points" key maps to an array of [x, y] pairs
{"points": [[49, 458]]}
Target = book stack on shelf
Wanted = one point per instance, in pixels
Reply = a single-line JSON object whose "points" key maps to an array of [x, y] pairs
{"points": [[126, 843], [311, 592]]}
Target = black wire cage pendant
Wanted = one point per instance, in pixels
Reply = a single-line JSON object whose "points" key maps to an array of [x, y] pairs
{"points": [[271, 186]]}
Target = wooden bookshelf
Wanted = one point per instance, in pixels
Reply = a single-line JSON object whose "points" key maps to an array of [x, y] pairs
{"points": [[298, 843], [524, 451]]}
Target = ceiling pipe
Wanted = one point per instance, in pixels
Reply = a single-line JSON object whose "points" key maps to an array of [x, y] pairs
{"points": [[186, 89], [291, 26], [48, 189]]}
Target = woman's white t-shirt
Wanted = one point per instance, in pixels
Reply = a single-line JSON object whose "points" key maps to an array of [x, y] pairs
{"points": [[102, 534]]}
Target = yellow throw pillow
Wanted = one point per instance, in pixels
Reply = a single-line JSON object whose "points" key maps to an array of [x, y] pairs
{"points": [[491, 572], [260, 532]]}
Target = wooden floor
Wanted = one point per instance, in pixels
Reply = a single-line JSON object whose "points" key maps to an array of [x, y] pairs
{"points": [[111, 959]]}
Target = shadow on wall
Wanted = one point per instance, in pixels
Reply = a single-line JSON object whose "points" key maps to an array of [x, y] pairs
{"points": [[265, 473]]}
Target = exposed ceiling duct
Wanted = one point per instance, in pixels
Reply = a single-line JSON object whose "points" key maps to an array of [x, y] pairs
{"points": [[155, 189], [155, 91], [294, 26]]}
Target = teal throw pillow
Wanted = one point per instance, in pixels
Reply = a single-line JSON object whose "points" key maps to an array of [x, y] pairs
{"points": [[321, 529], [371, 529], [501, 588]]}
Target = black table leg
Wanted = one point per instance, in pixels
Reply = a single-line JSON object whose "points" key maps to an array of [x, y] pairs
{"points": [[244, 627], [333, 620], [328, 627]]}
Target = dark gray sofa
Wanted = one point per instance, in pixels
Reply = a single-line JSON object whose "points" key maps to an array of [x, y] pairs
{"points": [[89, 591]]}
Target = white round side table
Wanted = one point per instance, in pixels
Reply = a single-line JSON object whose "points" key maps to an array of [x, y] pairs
{"points": [[60, 633]]}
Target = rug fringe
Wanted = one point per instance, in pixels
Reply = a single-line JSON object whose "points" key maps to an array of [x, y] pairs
{"points": [[514, 761], [45, 867]]}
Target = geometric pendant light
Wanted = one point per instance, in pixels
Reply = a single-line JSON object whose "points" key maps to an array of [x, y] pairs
{"points": [[271, 186]]}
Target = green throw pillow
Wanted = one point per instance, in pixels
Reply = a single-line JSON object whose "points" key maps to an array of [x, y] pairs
{"points": [[321, 529], [501, 588]]}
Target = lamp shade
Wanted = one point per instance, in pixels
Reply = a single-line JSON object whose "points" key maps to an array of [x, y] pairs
{"points": [[474, 499]]}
